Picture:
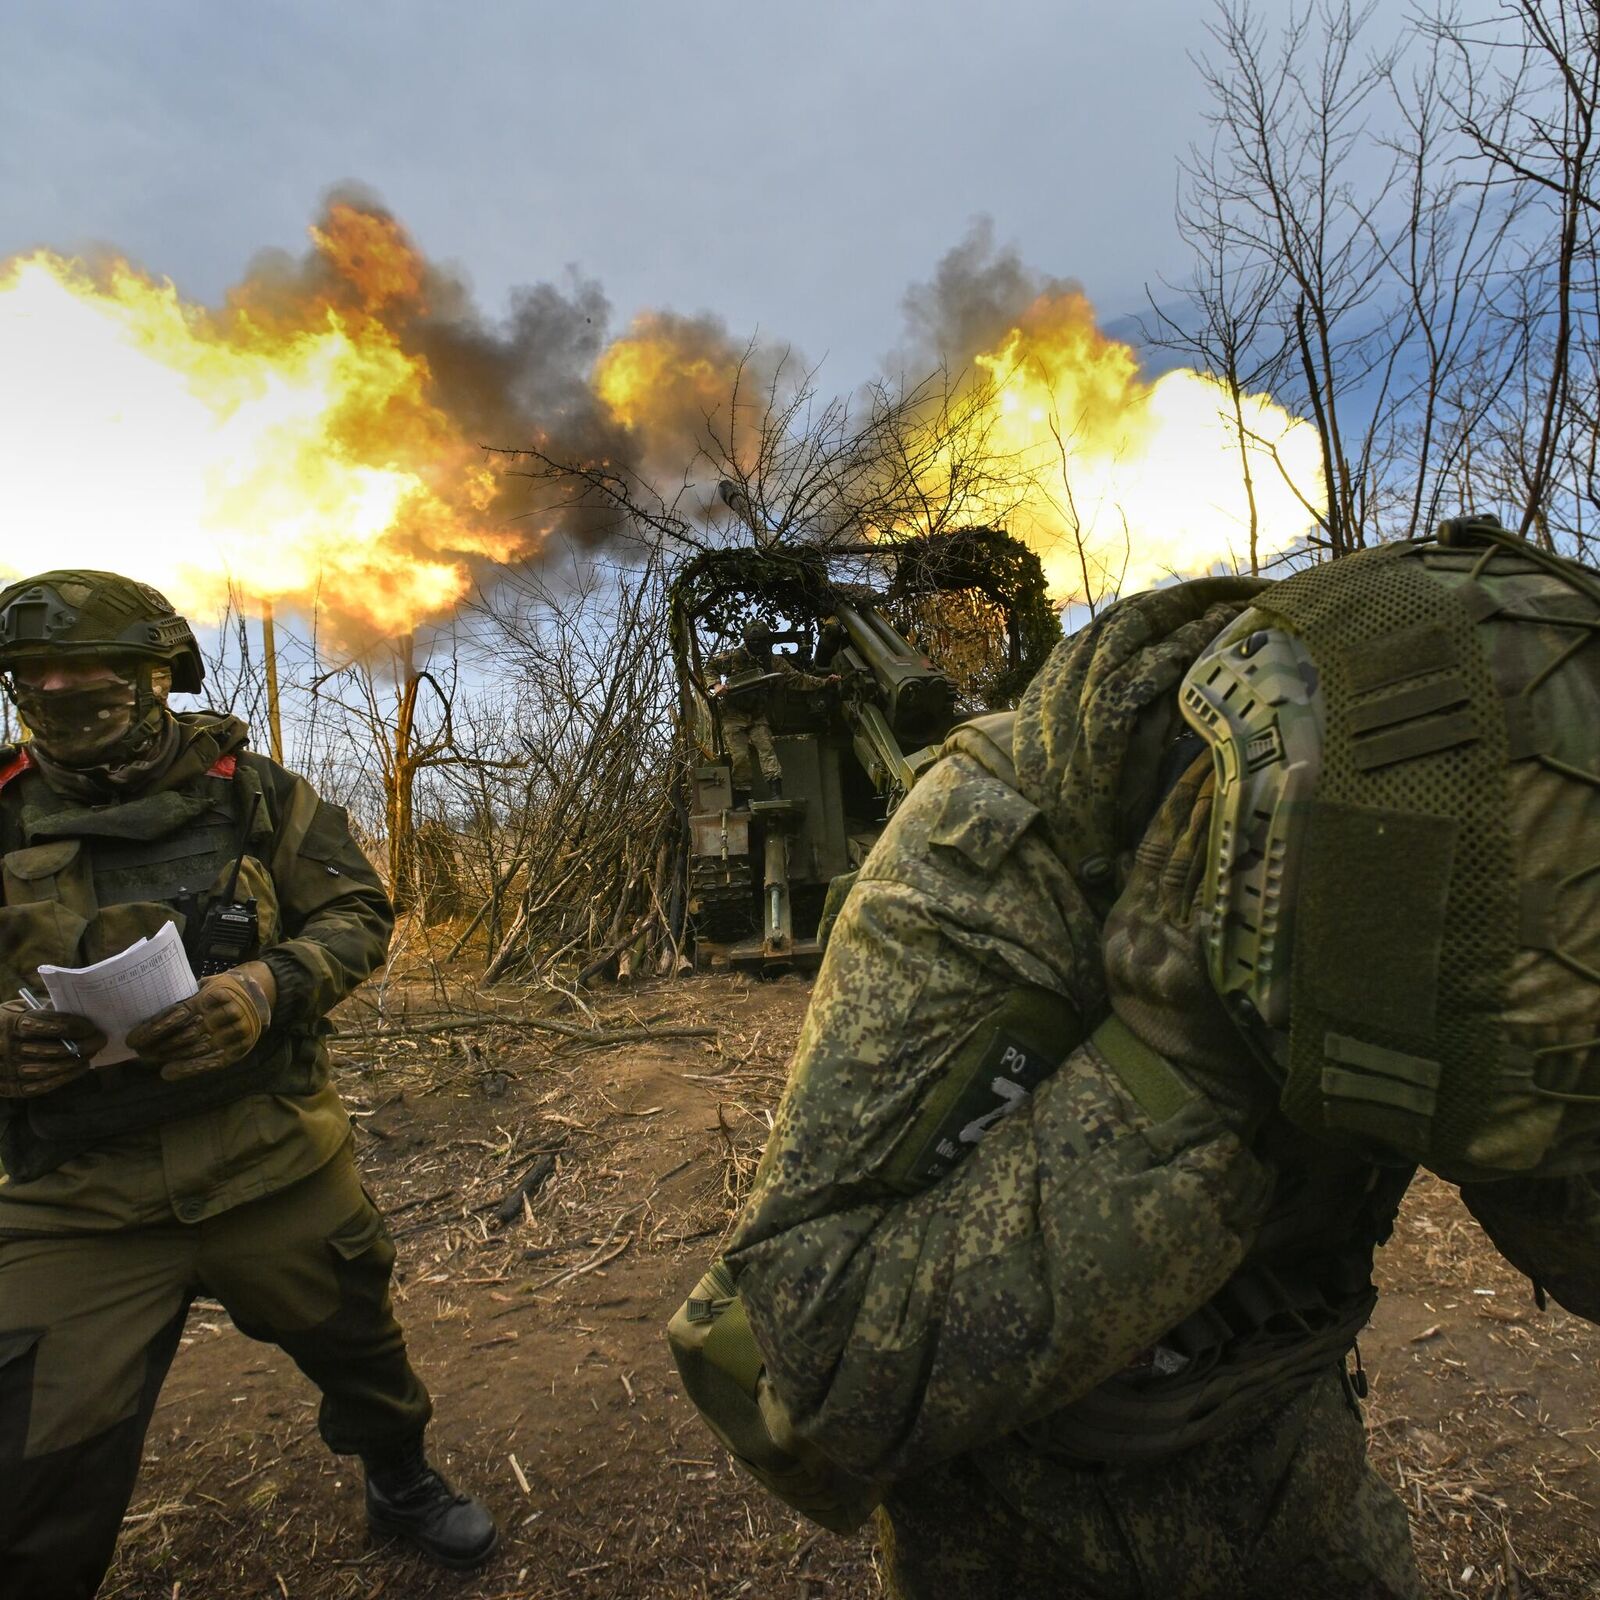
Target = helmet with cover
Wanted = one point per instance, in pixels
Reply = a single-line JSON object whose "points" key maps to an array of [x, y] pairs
{"points": [[1403, 891], [103, 726], [88, 614]]}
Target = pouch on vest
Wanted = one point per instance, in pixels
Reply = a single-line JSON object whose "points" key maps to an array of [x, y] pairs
{"points": [[724, 1375], [255, 883], [119, 927], [36, 934], [49, 904], [57, 871]]}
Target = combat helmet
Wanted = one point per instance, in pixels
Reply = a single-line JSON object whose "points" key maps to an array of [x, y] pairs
{"points": [[1402, 904], [86, 613]]}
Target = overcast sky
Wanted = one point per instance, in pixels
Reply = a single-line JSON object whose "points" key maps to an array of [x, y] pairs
{"points": [[791, 168]]}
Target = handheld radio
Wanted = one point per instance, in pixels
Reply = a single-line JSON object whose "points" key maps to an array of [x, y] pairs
{"points": [[232, 927]]}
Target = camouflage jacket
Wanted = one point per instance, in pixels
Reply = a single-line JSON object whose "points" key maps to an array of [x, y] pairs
{"points": [[80, 883], [904, 1323], [902, 1328]]}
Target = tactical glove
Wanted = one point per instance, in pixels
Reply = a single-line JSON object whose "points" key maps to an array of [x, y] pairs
{"points": [[34, 1049], [1157, 975], [212, 1029]]}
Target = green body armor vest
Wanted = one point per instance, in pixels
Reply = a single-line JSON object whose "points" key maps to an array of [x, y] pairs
{"points": [[84, 882]]}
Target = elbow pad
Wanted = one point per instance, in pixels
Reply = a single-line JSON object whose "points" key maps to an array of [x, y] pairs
{"points": [[724, 1374]]}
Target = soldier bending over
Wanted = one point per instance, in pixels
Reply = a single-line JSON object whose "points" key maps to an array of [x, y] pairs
{"points": [[1130, 1036]]}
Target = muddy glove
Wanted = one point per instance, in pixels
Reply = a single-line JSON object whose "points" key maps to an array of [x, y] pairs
{"points": [[211, 1029], [34, 1053], [1156, 971]]}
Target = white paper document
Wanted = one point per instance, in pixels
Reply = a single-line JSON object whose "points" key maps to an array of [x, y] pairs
{"points": [[123, 990]]}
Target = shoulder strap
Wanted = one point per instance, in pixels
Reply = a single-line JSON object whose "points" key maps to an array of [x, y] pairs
{"points": [[1151, 1079]]}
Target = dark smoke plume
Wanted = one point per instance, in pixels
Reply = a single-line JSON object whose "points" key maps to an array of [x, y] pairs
{"points": [[512, 383], [645, 403], [978, 293]]}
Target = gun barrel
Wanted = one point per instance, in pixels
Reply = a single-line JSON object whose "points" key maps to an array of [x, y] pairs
{"points": [[918, 699]]}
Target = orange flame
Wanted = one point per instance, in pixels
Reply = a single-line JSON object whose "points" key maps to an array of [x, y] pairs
{"points": [[295, 448], [682, 386], [1115, 481], [288, 450], [659, 367], [369, 251], [1128, 481]]}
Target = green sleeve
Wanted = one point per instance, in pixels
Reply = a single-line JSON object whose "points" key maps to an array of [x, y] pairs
{"points": [[806, 680], [336, 916], [1548, 1228], [899, 1330]]}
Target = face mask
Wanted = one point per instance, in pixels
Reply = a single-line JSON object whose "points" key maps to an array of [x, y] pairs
{"points": [[79, 727]]}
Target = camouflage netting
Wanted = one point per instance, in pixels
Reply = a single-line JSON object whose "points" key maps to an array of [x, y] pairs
{"points": [[716, 591], [976, 601]]}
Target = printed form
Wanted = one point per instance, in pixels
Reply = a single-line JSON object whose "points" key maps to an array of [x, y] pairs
{"points": [[123, 990]]}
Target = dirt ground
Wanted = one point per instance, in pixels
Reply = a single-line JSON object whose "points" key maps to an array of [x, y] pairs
{"points": [[541, 1338]]}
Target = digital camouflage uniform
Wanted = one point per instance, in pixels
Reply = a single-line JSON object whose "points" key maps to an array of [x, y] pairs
{"points": [[126, 1196], [1089, 1340]]}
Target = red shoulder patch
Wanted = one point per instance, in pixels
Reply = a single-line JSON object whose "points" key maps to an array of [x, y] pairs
{"points": [[222, 767], [16, 766]]}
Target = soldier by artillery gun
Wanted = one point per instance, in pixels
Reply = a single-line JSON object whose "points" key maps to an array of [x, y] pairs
{"points": [[742, 680]]}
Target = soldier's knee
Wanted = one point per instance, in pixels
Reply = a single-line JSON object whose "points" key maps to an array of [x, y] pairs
{"points": [[61, 1388], [329, 1292], [69, 1457]]}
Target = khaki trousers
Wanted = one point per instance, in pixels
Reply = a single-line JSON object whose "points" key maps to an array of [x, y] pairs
{"points": [[746, 735], [89, 1323]]}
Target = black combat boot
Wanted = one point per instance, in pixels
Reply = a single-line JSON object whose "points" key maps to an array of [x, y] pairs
{"points": [[408, 1498]]}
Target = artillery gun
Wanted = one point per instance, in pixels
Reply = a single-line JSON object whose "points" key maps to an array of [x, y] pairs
{"points": [[768, 870]]}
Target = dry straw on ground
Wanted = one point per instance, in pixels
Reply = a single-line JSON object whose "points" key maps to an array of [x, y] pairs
{"points": [[556, 1183]]}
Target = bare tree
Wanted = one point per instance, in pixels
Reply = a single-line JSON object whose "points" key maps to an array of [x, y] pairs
{"points": [[782, 464], [235, 679], [400, 715], [1447, 254], [1231, 332], [1399, 235], [1289, 205], [1532, 76], [589, 845]]}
